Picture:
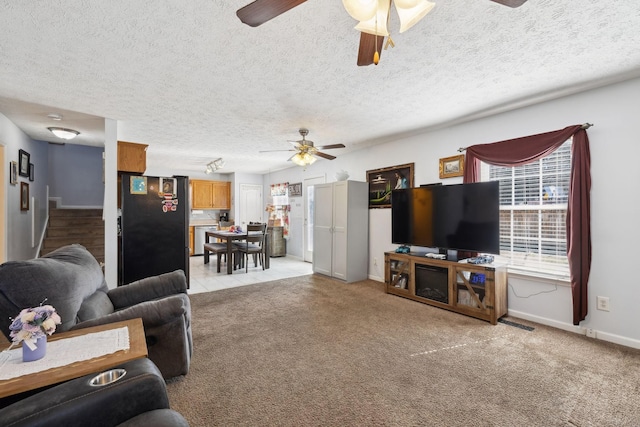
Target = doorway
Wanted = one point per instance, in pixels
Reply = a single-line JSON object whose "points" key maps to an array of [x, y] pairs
{"points": [[251, 208], [308, 196]]}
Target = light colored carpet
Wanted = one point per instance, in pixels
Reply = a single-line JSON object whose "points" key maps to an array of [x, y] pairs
{"points": [[312, 351]]}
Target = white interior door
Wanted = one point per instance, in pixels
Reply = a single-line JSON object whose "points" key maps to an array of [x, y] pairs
{"points": [[250, 206], [308, 196]]}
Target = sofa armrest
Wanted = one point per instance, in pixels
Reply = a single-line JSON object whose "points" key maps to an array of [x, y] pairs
{"points": [[153, 313], [77, 403], [148, 288]]}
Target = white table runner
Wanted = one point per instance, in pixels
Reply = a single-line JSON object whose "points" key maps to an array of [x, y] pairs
{"points": [[64, 352]]}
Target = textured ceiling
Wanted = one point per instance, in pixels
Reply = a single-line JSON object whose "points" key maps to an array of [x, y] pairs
{"points": [[193, 82]]}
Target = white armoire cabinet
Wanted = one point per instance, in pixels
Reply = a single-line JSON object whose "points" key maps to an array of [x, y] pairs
{"points": [[341, 230]]}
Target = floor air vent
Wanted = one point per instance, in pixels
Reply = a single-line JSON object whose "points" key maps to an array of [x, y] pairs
{"points": [[517, 325]]}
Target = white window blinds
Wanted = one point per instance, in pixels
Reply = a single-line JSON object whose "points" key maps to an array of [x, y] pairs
{"points": [[533, 208]]}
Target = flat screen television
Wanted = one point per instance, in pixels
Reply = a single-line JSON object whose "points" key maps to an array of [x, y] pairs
{"points": [[462, 217]]}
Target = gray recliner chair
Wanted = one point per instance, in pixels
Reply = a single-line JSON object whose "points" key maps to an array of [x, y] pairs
{"points": [[139, 398], [71, 280]]}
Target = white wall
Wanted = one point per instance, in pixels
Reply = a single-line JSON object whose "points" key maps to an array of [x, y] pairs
{"points": [[76, 175], [23, 227], [614, 208]]}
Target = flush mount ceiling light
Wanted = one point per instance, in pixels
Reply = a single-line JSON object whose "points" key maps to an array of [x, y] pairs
{"points": [[374, 16], [214, 165], [64, 133]]}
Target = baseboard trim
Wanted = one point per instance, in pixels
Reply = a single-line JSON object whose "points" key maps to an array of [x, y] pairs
{"points": [[59, 205], [581, 330]]}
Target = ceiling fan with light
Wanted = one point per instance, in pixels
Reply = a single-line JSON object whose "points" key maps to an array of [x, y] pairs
{"points": [[306, 150], [373, 16]]}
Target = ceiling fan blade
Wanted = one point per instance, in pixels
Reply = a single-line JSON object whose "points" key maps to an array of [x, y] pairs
{"points": [[324, 155], [510, 3], [297, 144], [368, 48], [273, 151], [261, 11], [327, 147]]}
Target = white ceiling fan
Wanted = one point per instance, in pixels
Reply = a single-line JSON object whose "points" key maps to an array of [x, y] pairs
{"points": [[306, 150]]}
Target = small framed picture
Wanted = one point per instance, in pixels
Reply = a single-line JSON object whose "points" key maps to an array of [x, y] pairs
{"points": [[31, 171], [24, 158], [452, 166], [138, 185], [167, 187], [24, 196], [295, 190], [13, 173]]}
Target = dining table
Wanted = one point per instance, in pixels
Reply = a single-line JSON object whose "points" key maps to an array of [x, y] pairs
{"points": [[229, 237]]}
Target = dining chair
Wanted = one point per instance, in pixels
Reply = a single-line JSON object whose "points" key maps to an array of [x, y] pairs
{"points": [[220, 250], [253, 245]]}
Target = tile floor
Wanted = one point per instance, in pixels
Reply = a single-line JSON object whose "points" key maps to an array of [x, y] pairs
{"points": [[205, 278]]}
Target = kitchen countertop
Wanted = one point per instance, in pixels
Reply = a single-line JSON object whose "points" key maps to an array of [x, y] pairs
{"points": [[202, 222]]}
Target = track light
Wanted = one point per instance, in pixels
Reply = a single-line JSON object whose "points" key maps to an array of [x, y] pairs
{"points": [[214, 165]]}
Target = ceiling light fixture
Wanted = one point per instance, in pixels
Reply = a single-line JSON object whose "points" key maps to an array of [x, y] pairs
{"points": [[64, 133], [214, 165], [303, 159], [374, 15]]}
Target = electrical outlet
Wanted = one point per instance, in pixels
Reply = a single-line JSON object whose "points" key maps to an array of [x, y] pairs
{"points": [[602, 303], [591, 333]]}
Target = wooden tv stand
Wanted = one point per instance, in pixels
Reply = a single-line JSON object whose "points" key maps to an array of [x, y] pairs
{"points": [[477, 290]]}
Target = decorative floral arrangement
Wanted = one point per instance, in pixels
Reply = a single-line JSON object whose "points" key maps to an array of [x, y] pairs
{"points": [[34, 323]]}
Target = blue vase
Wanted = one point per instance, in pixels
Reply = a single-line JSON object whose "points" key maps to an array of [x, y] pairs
{"points": [[29, 355]]}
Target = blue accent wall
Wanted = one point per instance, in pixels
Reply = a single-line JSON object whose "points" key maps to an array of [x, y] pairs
{"points": [[75, 175]]}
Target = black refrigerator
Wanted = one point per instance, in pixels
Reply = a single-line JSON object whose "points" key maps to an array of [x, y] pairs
{"points": [[154, 221]]}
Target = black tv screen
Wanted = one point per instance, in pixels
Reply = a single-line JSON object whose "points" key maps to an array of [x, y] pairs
{"points": [[463, 217]]}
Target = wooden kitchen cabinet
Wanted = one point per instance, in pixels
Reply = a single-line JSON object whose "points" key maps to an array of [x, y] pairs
{"points": [[210, 194], [132, 157], [191, 240], [221, 195]]}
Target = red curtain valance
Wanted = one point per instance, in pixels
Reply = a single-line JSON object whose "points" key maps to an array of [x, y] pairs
{"points": [[520, 151]]}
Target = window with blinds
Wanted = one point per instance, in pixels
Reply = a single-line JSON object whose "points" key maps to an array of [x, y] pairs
{"points": [[533, 208]]}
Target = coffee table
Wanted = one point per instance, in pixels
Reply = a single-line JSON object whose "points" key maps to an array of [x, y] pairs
{"points": [[137, 350]]}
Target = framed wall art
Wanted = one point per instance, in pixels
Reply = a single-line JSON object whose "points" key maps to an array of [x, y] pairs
{"points": [[32, 172], [138, 185], [295, 190], [13, 173], [168, 186], [24, 196], [452, 166], [23, 163], [383, 181]]}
